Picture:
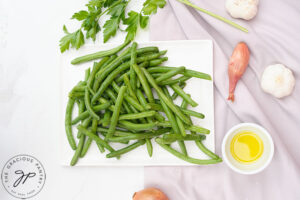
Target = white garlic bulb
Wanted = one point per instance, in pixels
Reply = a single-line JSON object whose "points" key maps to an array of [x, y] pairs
{"points": [[244, 9], [278, 80]]}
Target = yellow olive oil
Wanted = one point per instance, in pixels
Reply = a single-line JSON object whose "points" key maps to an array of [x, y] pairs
{"points": [[246, 147]]}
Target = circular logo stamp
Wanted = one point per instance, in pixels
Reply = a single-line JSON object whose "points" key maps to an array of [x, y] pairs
{"points": [[23, 176]]}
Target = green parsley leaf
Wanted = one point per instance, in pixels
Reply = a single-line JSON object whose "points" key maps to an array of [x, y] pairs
{"points": [[144, 20], [132, 21], [108, 3], [118, 10], [110, 28], [150, 6], [81, 15], [94, 5], [75, 39]]}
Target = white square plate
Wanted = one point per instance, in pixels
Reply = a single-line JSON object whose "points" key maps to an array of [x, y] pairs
{"points": [[193, 54]]}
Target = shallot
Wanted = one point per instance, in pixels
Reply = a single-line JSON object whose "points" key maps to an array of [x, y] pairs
{"points": [[237, 66], [150, 194]]}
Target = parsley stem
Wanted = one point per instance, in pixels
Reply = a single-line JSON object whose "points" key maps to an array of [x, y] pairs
{"points": [[186, 2]]}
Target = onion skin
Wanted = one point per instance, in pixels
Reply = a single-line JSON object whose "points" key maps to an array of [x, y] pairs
{"points": [[237, 66], [149, 194]]}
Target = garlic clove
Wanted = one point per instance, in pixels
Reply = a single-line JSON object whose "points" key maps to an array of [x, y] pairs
{"points": [[244, 9], [278, 80]]}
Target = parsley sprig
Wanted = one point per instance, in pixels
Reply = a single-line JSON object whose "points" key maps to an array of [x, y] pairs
{"points": [[116, 9]]}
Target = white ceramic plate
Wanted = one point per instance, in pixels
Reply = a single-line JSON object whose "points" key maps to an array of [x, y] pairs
{"points": [[193, 54]]}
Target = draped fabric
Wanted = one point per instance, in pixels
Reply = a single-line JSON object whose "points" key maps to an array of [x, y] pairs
{"points": [[274, 37]]}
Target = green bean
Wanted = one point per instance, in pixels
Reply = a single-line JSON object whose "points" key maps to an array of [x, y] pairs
{"points": [[169, 74], [129, 99], [138, 83], [157, 75], [87, 74], [126, 106], [187, 72], [137, 127], [81, 109], [186, 158], [132, 62], [156, 62], [121, 78], [170, 138], [155, 106], [181, 93], [137, 136], [194, 128], [102, 67], [206, 150], [76, 95], [193, 113], [137, 115], [86, 114], [153, 58], [88, 104], [68, 120], [144, 102], [103, 101], [171, 117], [78, 150], [135, 111], [134, 103], [117, 131], [149, 147], [99, 54], [180, 126], [159, 117], [176, 123], [96, 68], [181, 79], [106, 118], [111, 94], [115, 115], [144, 83], [164, 98], [96, 138], [175, 95], [130, 89], [78, 88], [115, 64], [111, 58], [89, 140], [109, 79], [121, 142], [142, 99], [141, 52], [85, 123], [198, 129], [196, 74], [126, 149]]}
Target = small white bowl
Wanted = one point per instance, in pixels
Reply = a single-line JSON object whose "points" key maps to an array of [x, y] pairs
{"points": [[258, 165]]}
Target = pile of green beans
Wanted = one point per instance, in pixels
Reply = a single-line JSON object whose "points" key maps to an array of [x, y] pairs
{"points": [[116, 104]]}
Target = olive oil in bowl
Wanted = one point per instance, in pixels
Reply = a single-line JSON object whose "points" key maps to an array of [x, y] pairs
{"points": [[246, 147]]}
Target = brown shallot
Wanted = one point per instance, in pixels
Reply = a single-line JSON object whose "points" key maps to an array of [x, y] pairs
{"points": [[237, 66]]}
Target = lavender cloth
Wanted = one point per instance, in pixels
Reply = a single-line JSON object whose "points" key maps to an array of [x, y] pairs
{"points": [[274, 36]]}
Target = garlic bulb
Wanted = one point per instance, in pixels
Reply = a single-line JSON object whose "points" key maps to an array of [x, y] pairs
{"points": [[244, 9], [278, 80]]}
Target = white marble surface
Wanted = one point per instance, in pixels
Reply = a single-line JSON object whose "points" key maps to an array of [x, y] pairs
{"points": [[29, 102]]}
